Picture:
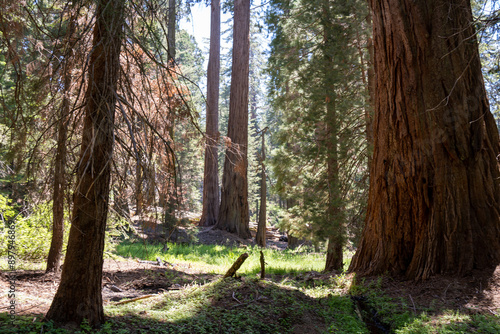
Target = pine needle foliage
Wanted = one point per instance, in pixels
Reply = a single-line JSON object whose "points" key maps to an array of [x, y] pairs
{"points": [[319, 103]]}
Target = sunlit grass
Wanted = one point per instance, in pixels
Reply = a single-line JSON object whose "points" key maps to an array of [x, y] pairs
{"points": [[217, 259]]}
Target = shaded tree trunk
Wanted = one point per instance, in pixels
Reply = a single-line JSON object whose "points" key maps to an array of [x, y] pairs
{"points": [[54, 256], [233, 213], [433, 206], [211, 173], [79, 294], [260, 237], [171, 31], [334, 254]]}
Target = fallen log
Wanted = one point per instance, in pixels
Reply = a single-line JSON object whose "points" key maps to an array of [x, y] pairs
{"points": [[236, 265], [134, 299]]}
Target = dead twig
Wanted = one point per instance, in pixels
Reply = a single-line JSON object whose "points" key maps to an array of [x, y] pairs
{"points": [[414, 308], [135, 299]]}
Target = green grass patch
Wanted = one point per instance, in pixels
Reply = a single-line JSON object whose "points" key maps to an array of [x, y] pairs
{"points": [[217, 259]]}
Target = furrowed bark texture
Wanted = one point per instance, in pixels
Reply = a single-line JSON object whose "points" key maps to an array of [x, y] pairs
{"points": [[211, 173], [79, 294], [233, 214], [434, 190]]}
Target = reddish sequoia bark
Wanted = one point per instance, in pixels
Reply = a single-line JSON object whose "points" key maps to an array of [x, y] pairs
{"points": [[79, 294], [56, 245], [434, 194], [211, 173], [233, 213]]}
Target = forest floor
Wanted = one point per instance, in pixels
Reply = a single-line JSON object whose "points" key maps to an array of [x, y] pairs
{"points": [[184, 297]]}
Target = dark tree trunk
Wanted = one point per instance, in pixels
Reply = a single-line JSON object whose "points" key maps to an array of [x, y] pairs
{"points": [[233, 213], [79, 294], [211, 174], [292, 242], [433, 206], [54, 257], [334, 255], [260, 237]]}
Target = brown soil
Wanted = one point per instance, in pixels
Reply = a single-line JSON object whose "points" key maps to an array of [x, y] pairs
{"points": [[121, 279]]}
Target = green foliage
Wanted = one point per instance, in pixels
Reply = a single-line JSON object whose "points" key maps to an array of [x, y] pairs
{"points": [[319, 101], [32, 234], [345, 320], [27, 324], [7, 212], [33, 231]]}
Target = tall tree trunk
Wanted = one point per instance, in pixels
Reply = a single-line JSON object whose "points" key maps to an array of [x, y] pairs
{"points": [[233, 213], [54, 257], [173, 196], [260, 237], [211, 173], [171, 31], [334, 254], [79, 294], [433, 206]]}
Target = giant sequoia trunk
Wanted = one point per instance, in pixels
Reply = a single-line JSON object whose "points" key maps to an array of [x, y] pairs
{"points": [[79, 294], [233, 213], [211, 173], [434, 190]]}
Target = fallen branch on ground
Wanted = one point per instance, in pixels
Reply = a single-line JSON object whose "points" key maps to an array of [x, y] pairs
{"points": [[134, 299], [236, 265]]}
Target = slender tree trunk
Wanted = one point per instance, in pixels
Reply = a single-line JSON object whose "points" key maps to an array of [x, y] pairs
{"points": [[173, 196], [260, 237], [79, 294], [334, 254], [211, 174], [233, 213], [434, 197], [171, 31], [54, 257]]}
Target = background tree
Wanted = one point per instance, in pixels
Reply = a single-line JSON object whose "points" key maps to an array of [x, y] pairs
{"points": [[210, 209], [434, 195], [318, 99], [58, 198], [233, 212]]}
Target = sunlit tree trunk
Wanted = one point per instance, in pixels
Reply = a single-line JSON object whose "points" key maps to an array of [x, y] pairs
{"points": [[79, 294], [211, 173], [233, 213], [433, 206], [260, 237], [54, 256]]}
